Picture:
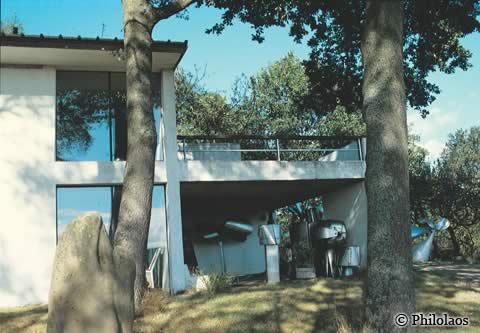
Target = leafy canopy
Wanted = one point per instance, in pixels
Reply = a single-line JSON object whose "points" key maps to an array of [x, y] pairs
{"points": [[271, 102], [457, 188], [432, 33]]}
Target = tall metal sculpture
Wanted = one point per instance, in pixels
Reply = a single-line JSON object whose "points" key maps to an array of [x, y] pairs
{"points": [[422, 250]]}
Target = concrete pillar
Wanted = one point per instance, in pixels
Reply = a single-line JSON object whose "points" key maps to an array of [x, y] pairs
{"points": [[349, 204], [272, 253], [174, 276]]}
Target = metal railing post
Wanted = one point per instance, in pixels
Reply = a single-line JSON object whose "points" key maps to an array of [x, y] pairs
{"points": [[184, 153], [360, 153], [278, 149]]}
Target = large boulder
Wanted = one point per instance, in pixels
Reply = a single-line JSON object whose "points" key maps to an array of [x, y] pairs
{"points": [[89, 292]]}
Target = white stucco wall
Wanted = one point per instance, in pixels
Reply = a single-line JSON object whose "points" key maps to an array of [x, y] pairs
{"points": [[27, 190], [28, 179], [241, 258], [349, 204]]}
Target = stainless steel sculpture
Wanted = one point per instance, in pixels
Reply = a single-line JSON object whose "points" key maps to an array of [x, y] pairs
{"points": [[216, 236], [242, 228], [269, 234], [422, 250], [350, 259], [239, 228], [331, 230], [329, 238]]}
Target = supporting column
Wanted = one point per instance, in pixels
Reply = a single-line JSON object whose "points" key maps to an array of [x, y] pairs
{"points": [[174, 269], [273, 263]]}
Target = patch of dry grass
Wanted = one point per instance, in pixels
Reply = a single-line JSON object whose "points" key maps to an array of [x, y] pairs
{"points": [[323, 305], [301, 306], [29, 319]]}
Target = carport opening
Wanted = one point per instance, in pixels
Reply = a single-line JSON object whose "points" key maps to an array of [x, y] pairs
{"points": [[221, 222]]}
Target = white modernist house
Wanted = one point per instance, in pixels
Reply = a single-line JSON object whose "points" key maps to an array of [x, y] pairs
{"points": [[62, 144]]}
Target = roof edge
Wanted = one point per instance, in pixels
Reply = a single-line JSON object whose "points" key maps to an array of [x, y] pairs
{"points": [[82, 43]]}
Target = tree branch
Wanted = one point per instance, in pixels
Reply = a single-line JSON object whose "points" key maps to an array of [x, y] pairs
{"points": [[171, 8]]}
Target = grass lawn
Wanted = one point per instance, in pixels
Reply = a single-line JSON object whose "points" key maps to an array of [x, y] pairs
{"points": [[323, 305]]}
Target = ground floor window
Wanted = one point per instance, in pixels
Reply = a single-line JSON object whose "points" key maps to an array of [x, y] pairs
{"points": [[77, 200]]}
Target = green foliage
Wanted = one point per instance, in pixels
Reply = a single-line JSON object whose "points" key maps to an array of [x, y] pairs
{"points": [[303, 254], [277, 93], [271, 102], [340, 122], [449, 188], [200, 112], [457, 190], [333, 30], [8, 26], [420, 175], [217, 282]]}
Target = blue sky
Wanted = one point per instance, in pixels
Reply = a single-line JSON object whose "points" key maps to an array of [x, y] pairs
{"points": [[227, 56]]}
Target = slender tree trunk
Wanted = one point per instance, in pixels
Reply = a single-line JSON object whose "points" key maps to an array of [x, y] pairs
{"points": [[390, 284], [456, 245], [135, 206]]}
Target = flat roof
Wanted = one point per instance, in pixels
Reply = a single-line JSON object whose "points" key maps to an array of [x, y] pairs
{"points": [[80, 52]]}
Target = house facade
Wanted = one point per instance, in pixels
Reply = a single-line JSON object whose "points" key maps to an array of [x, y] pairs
{"points": [[63, 144]]}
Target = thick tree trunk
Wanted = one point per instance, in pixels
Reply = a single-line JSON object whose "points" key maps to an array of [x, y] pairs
{"points": [[135, 206], [390, 285]]}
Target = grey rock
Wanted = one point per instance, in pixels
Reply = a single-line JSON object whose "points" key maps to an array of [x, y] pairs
{"points": [[89, 292]]}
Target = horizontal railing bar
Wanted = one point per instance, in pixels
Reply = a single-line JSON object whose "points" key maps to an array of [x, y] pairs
{"points": [[268, 137], [318, 149], [226, 150], [263, 150]]}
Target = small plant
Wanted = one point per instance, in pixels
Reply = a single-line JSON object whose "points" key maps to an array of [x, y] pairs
{"points": [[303, 254], [217, 282]]}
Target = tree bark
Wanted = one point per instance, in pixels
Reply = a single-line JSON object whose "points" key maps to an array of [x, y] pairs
{"points": [[136, 202], [390, 284], [456, 245]]}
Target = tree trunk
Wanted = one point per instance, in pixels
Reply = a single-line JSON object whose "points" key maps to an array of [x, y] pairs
{"points": [[136, 202], [390, 283], [456, 245]]}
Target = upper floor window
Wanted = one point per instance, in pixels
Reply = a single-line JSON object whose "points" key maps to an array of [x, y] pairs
{"points": [[91, 116]]}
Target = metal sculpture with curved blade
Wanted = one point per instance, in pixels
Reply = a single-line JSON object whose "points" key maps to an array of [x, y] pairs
{"points": [[240, 227], [421, 251], [417, 231], [442, 224], [428, 222]]}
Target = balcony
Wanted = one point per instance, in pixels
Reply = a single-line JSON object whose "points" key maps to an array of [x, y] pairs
{"points": [[271, 148]]}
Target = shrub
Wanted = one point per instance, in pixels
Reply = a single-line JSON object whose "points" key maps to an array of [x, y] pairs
{"points": [[217, 282]]}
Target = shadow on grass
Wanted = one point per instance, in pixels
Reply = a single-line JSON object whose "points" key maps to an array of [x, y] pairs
{"points": [[300, 306], [443, 292], [297, 306]]}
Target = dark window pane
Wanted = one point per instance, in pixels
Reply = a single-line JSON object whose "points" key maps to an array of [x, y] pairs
{"points": [[75, 201], [119, 115], [82, 119], [91, 116]]}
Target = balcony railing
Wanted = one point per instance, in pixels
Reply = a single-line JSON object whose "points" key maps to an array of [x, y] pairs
{"points": [[264, 148]]}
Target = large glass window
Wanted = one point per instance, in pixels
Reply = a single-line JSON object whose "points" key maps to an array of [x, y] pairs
{"points": [[91, 116], [75, 201]]}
